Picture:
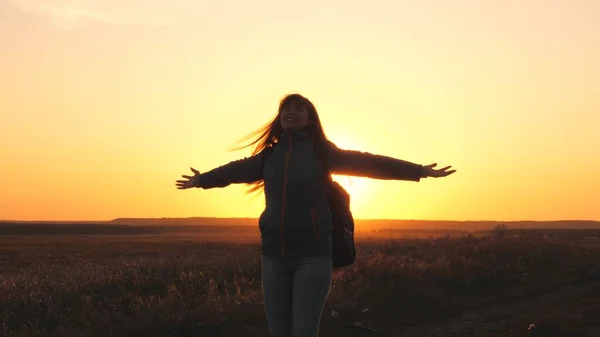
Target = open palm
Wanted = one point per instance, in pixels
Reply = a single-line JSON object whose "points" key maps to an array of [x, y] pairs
{"points": [[190, 181], [443, 172]]}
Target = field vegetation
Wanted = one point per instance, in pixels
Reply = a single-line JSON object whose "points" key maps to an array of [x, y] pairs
{"points": [[148, 284]]}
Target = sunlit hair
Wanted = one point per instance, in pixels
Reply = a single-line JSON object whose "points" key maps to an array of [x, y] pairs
{"points": [[270, 134]]}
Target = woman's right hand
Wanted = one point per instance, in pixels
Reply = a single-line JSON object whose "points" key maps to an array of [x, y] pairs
{"points": [[192, 181]]}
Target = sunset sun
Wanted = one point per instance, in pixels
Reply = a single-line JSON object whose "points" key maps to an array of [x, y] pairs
{"points": [[358, 187]]}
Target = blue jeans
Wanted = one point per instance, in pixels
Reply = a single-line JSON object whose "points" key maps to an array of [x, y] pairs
{"points": [[295, 291]]}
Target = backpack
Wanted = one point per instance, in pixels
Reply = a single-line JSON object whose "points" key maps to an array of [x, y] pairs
{"points": [[343, 250], [343, 247]]}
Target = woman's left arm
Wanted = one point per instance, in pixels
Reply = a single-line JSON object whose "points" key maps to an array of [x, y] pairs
{"points": [[364, 164]]}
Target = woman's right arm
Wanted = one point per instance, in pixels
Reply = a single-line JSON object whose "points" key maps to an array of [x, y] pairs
{"points": [[247, 170]]}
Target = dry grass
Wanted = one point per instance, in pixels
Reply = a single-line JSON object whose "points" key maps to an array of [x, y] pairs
{"points": [[105, 286]]}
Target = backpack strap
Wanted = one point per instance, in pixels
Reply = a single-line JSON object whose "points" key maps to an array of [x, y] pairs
{"points": [[326, 156], [322, 153]]}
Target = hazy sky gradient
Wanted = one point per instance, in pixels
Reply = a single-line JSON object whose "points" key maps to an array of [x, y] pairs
{"points": [[106, 103]]}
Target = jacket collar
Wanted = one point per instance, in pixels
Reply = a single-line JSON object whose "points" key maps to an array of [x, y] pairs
{"points": [[295, 134]]}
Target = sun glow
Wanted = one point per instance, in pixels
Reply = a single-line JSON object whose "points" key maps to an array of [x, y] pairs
{"points": [[132, 95], [359, 188]]}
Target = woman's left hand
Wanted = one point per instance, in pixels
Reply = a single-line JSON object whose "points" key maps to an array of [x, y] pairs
{"points": [[443, 172]]}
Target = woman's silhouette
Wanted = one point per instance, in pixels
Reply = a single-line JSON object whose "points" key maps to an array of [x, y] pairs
{"points": [[296, 224]]}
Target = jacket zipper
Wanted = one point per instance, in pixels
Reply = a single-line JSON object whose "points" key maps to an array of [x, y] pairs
{"points": [[315, 220], [285, 176]]}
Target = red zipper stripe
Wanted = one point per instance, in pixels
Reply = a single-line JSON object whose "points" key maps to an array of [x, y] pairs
{"points": [[285, 176], [315, 221]]}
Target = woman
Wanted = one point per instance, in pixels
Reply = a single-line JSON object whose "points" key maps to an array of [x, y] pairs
{"points": [[288, 162]]}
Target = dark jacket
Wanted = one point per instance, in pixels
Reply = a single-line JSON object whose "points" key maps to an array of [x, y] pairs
{"points": [[296, 220]]}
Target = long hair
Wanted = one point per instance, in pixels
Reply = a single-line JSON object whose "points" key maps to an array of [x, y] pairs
{"points": [[269, 134]]}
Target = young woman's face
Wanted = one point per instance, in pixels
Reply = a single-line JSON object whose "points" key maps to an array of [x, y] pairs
{"points": [[294, 118]]}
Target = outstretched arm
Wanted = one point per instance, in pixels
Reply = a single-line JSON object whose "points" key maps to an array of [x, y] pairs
{"points": [[245, 170], [364, 164]]}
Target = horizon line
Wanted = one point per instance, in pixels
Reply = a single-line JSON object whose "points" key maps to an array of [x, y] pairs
{"points": [[256, 218]]}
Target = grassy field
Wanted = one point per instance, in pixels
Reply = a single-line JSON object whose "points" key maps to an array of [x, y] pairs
{"points": [[153, 285]]}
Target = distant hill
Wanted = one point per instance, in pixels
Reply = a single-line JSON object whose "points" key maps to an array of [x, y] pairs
{"points": [[476, 225], [194, 221], [373, 223], [361, 224]]}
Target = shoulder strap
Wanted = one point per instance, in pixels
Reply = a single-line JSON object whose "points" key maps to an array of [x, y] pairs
{"points": [[322, 152]]}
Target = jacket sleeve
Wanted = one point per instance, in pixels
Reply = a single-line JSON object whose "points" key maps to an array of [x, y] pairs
{"points": [[246, 170], [364, 164]]}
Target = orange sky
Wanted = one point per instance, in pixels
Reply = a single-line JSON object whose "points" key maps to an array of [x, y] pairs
{"points": [[106, 103]]}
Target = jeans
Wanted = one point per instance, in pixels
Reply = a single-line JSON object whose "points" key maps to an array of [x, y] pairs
{"points": [[295, 291]]}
